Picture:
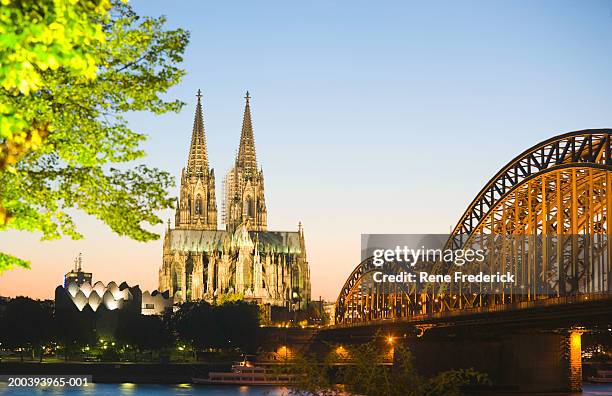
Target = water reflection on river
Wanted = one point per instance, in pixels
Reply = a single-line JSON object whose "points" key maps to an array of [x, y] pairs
{"points": [[149, 390], [210, 390]]}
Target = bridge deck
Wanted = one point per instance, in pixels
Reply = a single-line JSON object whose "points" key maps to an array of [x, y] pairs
{"points": [[575, 307]]}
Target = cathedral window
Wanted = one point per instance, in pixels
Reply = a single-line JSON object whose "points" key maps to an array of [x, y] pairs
{"points": [[188, 286], [249, 208], [189, 203], [198, 205], [176, 280]]}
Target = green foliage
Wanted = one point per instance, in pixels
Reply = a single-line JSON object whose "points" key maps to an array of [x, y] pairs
{"points": [[6, 261], [230, 298], [62, 127], [312, 376], [228, 326], [74, 329], [365, 374], [41, 35], [26, 324], [109, 355], [143, 332], [192, 324], [37, 37], [449, 383], [29, 324]]}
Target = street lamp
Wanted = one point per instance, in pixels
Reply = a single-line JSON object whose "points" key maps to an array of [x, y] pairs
{"points": [[182, 349]]}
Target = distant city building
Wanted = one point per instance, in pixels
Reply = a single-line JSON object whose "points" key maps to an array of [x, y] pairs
{"points": [[81, 294], [77, 275], [201, 262], [99, 296], [156, 303], [321, 312], [330, 311]]}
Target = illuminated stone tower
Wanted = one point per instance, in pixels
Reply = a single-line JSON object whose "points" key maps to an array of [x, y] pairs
{"points": [[244, 200], [196, 208]]}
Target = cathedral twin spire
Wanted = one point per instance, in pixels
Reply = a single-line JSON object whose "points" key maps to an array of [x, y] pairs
{"points": [[197, 207], [244, 199], [247, 159], [198, 157]]}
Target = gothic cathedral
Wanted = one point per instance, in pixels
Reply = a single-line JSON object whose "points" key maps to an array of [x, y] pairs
{"points": [[245, 260]]}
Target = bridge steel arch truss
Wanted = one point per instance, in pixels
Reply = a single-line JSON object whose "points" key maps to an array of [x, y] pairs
{"points": [[543, 216]]}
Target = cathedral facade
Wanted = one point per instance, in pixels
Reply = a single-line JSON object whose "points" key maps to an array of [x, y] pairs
{"points": [[244, 259]]}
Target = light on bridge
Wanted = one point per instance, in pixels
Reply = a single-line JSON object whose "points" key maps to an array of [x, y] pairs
{"points": [[341, 352], [284, 352]]}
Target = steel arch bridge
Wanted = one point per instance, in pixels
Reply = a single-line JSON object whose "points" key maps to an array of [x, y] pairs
{"points": [[543, 216]]}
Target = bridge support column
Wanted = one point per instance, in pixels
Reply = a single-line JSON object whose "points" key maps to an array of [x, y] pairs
{"points": [[524, 361], [548, 361]]}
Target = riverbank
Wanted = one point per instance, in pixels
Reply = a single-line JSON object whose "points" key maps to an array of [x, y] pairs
{"points": [[225, 390], [138, 373]]}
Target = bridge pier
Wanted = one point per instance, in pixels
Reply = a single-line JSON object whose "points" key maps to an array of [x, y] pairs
{"points": [[530, 361]]}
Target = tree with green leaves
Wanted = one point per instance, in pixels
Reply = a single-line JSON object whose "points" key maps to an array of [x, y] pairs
{"points": [[27, 325], [74, 330], [312, 376], [143, 332], [229, 326], [362, 372], [69, 72]]}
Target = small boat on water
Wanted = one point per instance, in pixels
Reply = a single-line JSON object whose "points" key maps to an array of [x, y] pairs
{"points": [[603, 376], [247, 373]]}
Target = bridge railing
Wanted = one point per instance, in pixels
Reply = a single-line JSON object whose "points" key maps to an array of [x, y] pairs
{"points": [[444, 316]]}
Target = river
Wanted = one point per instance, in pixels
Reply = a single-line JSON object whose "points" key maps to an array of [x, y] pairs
{"points": [[206, 390], [149, 390]]}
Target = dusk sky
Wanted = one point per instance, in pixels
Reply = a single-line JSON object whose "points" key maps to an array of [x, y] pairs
{"points": [[369, 117]]}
